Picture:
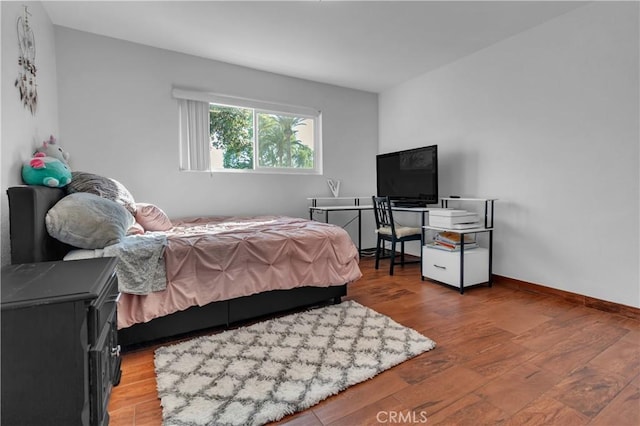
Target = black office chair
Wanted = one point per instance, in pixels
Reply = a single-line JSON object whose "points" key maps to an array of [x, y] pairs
{"points": [[387, 230]]}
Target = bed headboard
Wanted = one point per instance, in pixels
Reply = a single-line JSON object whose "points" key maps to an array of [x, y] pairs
{"points": [[30, 241]]}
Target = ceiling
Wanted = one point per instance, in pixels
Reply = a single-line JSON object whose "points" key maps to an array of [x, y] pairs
{"points": [[366, 45]]}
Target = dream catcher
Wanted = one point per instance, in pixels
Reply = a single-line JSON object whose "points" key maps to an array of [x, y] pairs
{"points": [[26, 81]]}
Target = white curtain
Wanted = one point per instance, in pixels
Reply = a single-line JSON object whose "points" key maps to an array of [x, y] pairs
{"points": [[194, 135]]}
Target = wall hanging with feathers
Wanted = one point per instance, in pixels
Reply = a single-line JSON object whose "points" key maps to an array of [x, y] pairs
{"points": [[26, 81]]}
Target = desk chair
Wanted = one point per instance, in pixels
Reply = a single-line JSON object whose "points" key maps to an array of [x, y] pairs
{"points": [[387, 230]]}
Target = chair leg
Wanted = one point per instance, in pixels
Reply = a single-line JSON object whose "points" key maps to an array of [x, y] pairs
{"points": [[393, 256], [378, 252], [402, 253]]}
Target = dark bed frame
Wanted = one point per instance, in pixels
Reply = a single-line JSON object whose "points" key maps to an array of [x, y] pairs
{"points": [[30, 242]]}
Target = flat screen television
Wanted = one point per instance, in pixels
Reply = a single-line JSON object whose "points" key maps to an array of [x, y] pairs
{"points": [[409, 177]]}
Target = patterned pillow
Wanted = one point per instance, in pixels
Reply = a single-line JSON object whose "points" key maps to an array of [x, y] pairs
{"points": [[103, 187], [152, 218]]}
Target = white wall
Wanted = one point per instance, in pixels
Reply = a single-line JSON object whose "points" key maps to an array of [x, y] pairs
{"points": [[547, 121], [118, 119], [21, 131]]}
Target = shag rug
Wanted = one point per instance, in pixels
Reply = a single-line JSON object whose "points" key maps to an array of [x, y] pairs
{"points": [[263, 372]]}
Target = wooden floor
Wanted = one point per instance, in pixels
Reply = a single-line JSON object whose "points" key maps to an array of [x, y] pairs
{"points": [[503, 356]]}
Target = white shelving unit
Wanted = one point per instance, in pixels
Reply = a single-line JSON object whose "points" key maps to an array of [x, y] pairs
{"points": [[462, 268]]}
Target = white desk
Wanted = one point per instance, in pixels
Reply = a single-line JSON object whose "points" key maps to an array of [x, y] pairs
{"points": [[314, 208], [356, 206], [356, 199]]}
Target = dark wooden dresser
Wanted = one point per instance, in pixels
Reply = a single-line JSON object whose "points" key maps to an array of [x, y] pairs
{"points": [[60, 354]]}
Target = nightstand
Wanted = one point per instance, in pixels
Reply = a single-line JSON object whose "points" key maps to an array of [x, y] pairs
{"points": [[60, 354]]}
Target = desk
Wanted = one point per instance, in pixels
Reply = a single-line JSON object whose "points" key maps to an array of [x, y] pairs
{"points": [[326, 209], [422, 210], [355, 199], [356, 206]]}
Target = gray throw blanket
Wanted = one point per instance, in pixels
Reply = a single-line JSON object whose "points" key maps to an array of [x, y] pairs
{"points": [[140, 267]]}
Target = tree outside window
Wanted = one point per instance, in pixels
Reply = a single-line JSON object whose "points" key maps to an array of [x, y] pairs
{"points": [[231, 131], [278, 142], [283, 141]]}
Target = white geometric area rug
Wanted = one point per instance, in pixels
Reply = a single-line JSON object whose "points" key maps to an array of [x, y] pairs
{"points": [[260, 373]]}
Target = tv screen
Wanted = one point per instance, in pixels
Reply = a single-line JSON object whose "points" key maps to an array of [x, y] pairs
{"points": [[409, 176]]}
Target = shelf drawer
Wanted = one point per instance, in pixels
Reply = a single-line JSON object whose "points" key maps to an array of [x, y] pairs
{"points": [[444, 266]]}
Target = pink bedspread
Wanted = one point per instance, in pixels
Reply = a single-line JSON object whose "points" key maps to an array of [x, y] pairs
{"points": [[220, 258]]}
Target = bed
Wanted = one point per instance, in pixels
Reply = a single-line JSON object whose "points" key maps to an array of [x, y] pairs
{"points": [[260, 285]]}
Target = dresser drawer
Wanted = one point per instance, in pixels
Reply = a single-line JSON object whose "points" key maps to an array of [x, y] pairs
{"points": [[103, 308], [103, 357], [444, 266]]}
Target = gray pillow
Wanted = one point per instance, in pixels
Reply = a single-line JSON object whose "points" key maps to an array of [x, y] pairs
{"points": [[102, 186], [88, 221]]}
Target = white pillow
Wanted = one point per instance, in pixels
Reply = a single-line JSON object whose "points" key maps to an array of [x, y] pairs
{"points": [[88, 221], [80, 254]]}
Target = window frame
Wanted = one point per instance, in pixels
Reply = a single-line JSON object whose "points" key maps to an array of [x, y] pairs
{"points": [[263, 107]]}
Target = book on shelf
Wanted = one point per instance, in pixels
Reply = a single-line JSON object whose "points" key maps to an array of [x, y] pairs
{"points": [[454, 238], [451, 241], [439, 245]]}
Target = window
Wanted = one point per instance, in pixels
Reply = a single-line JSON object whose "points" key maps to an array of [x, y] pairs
{"points": [[247, 135]]}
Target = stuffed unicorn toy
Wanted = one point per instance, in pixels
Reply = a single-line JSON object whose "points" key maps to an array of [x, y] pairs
{"points": [[51, 149], [48, 166]]}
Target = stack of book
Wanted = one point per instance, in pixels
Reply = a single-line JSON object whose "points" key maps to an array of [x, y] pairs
{"points": [[450, 241], [453, 219]]}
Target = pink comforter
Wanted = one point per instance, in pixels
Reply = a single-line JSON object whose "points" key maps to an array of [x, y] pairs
{"points": [[220, 258]]}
